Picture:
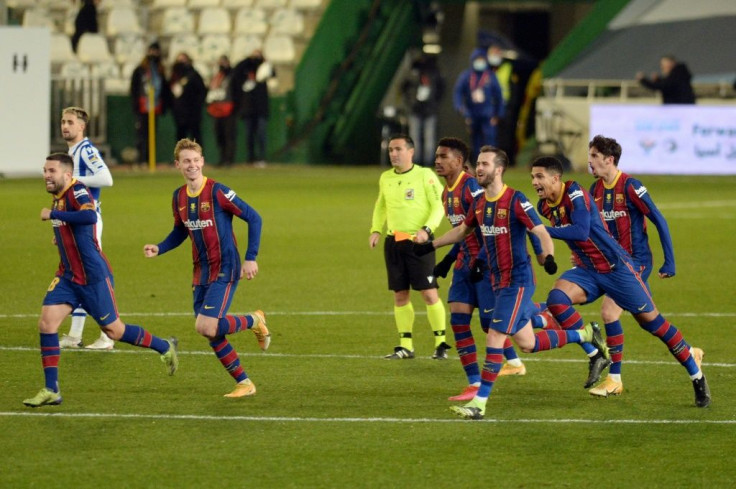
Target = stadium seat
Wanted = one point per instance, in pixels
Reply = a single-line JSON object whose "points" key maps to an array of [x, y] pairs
{"points": [[110, 73], [122, 20], [61, 49], [243, 46], [215, 20], [270, 4], [305, 4], [127, 69], [250, 21], [129, 47], [107, 5], [38, 17], [92, 48], [279, 48], [21, 4], [213, 46], [200, 4], [204, 70], [165, 4], [236, 4], [177, 20], [188, 43], [74, 69], [287, 21]]}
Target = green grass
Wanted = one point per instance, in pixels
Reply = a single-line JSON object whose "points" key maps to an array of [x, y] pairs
{"points": [[329, 411]]}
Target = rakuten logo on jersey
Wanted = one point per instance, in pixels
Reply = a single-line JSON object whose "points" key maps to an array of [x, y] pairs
{"points": [[493, 230], [198, 224], [613, 215]]}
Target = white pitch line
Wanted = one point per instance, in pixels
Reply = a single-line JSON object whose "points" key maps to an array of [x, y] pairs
{"points": [[291, 419]]}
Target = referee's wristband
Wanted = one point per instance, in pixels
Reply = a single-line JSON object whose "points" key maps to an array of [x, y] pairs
{"points": [[429, 232]]}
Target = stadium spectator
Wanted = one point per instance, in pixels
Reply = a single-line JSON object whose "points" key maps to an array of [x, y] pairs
{"points": [[203, 210], [625, 205], [149, 92], [602, 266], [85, 21], [508, 80], [422, 91], [83, 277], [409, 202], [188, 93], [220, 106], [504, 216], [91, 170], [250, 78], [673, 81], [478, 98]]}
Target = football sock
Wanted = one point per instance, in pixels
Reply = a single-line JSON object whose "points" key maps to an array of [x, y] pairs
{"points": [[615, 342], [234, 324], [50, 353], [671, 336], [136, 335], [549, 339], [228, 358], [560, 306], [538, 322], [78, 317], [437, 320], [465, 344], [404, 316], [509, 352], [491, 367]]}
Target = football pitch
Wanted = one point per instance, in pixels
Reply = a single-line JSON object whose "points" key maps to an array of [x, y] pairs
{"points": [[330, 411]]}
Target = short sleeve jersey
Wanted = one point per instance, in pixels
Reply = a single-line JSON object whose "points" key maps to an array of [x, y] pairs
{"points": [[87, 161]]}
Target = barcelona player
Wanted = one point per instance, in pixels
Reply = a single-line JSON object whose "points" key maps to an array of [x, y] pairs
{"points": [[504, 216], [84, 277], [203, 210], [625, 205], [602, 266]]}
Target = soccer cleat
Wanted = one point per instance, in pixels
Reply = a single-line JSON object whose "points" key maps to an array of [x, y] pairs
{"points": [[698, 355], [702, 392], [102, 343], [592, 334], [596, 366], [511, 370], [171, 358], [67, 341], [608, 387], [243, 389], [466, 395], [260, 330], [45, 397], [472, 410], [400, 353], [440, 353]]}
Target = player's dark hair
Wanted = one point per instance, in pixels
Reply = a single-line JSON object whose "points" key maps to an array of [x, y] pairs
{"points": [[63, 158], [81, 114], [607, 147], [500, 158], [405, 137], [457, 145], [550, 163]]}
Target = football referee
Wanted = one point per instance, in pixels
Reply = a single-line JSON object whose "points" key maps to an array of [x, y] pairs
{"points": [[409, 204]]}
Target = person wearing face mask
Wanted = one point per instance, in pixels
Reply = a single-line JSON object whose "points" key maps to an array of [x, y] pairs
{"points": [[478, 98], [148, 75], [220, 106], [188, 95], [508, 80]]}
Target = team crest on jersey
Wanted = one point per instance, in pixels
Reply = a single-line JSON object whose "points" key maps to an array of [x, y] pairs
{"points": [[501, 214], [204, 206], [409, 194], [619, 198]]}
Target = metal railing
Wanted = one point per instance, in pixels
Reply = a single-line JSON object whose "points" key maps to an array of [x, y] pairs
{"points": [[625, 90]]}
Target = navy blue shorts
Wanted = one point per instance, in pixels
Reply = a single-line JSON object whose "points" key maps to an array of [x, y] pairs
{"points": [[97, 299], [477, 294], [514, 308], [213, 299]]}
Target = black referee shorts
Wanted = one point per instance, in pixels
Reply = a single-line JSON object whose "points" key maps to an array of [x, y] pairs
{"points": [[405, 269]]}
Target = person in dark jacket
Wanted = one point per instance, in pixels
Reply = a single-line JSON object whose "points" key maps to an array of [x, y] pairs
{"points": [[86, 21], [188, 93], [422, 90], [673, 82], [221, 107], [250, 89]]}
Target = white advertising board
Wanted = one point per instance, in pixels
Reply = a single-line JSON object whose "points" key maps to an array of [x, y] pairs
{"points": [[670, 139]]}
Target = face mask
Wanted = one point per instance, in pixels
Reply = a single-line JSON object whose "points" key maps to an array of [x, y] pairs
{"points": [[495, 60], [153, 58], [479, 65]]}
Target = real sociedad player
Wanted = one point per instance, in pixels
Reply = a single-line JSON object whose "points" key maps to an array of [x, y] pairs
{"points": [[91, 170], [203, 210], [504, 216], [602, 267], [84, 277], [625, 205]]}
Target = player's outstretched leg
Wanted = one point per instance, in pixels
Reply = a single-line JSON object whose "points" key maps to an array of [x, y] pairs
{"points": [[50, 353], [255, 321], [513, 365], [476, 408], [139, 336], [466, 350]]}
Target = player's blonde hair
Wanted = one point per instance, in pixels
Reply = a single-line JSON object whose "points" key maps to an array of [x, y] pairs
{"points": [[81, 114], [186, 144]]}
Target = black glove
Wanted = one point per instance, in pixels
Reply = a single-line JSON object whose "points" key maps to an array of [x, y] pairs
{"points": [[443, 267], [549, 265], [421, 249], [476, 271]]}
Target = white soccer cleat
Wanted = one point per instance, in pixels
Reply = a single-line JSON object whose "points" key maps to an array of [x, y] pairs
{"points": [[101, 343], [67, 341]]}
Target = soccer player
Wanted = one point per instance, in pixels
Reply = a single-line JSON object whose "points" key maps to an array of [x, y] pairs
{"points": [[602, 267], [204, 210], [409, 203], [625, 204], [504, 216], [91, 170], [84, 277]]}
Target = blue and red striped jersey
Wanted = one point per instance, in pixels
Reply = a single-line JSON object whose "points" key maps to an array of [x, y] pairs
{"points": [[504, 222], [207, 218], [624, 206], [73, 217], [575, 219], [457, 201]]}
